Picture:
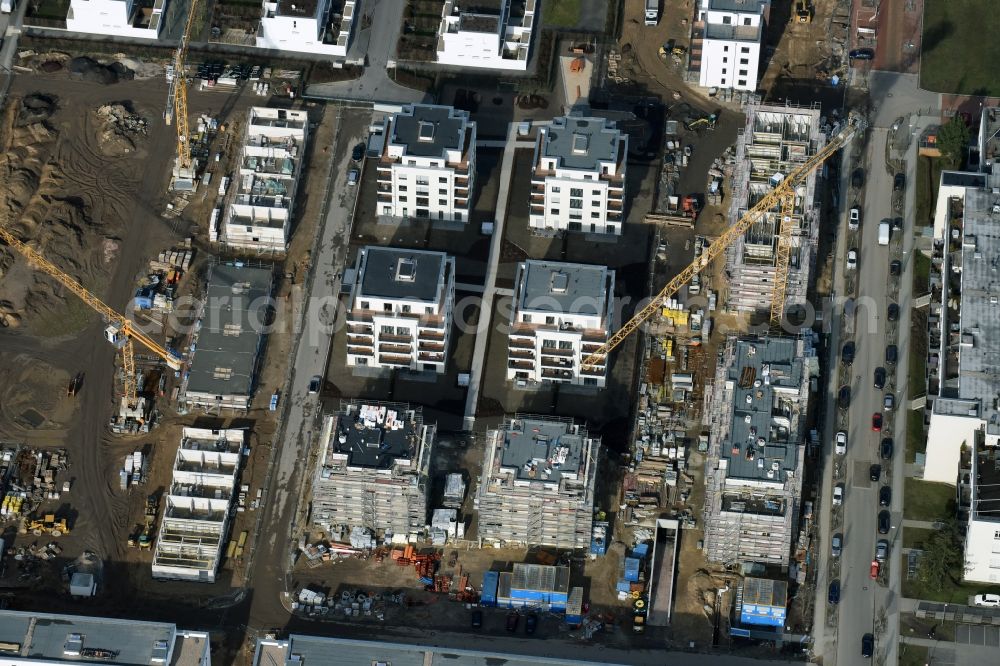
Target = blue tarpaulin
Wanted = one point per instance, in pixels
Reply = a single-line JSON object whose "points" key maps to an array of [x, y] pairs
{"points": [[632, 569]]}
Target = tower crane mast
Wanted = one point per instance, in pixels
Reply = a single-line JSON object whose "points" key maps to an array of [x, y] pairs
{"points": [[176, 111], [782, 195]]}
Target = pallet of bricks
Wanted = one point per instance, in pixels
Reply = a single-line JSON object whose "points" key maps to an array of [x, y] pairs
{"points": [[424, 564]]}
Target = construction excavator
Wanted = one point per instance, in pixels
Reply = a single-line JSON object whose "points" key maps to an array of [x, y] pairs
{"points": [[47, 524], [781, 197]]}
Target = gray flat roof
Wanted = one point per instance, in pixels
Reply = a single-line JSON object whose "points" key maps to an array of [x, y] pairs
{"points": [[963, 179], [755, 441], [554, 286], [541, 449], [736, 33], [979, 354], [236, 304], [429, 130], [581, 143], [751, 6], [44, 636], [403, 274], [375, 435]]}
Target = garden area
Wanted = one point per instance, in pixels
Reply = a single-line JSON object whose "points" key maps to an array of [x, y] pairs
{"points": [[47, 13], [916, 438], [418, 38], [927, 500], [956, 55], [917, 362]]}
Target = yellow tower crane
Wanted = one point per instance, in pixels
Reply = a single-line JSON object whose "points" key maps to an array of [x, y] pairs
{"points": [[783, 195], [177, 103], [121, 332]]}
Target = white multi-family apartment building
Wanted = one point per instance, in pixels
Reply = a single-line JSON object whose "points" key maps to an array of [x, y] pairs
{"points": [[263, 190], [578, 177], [727, 38], [428, 164], [401, 309], [491, 34], [562, 313], [119, 18], [308, 26]]}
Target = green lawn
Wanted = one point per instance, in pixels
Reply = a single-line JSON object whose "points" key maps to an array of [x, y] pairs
{"points": [[916, 371], [912, 655], [957, 53], [49, 9], [951, 592], [928, 177], [914, 537], [562, 13], [921, 274], [916, 439], [927, 500]]}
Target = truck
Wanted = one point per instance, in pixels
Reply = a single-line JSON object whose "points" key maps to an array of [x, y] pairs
{"points": [[883, 233], [652, 11]]}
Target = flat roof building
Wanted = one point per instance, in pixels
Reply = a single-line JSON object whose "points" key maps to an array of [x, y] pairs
{"points": [[400, 311], [198, 501], [726, 42], [537, 487], [373, 469], [562, 313], [487, 34], [427, 167], [117, 18], [753, 477], [48, 639], [324, 27], [578, 176], [260, 200], [775, 140], [229, 339]]}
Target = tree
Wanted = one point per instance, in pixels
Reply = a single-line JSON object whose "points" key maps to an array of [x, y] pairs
{"points": [[953, 141], [942, 559]]}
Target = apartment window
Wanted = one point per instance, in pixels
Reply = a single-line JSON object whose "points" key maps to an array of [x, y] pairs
{"points": [[402, 330], [575, 215], [725, 60], [595, 203], [725, 49], [596, 214], [458, 217], [443, 191], [422, 181], [550, 320], [402, 188], [590, 381], [549, 343], [402, 198], [576, 192], [744, 61], [722, 81], [588, 176], [553, 211], [743, 72], [555, 189], [411, 162], [526, 318], [361, 360], [723, 70], [576, 203], [726, 20], [388, 330], [744, 49], [442, 202], [611, 229], [443, 179], [742, 82], [364, 305], [406, 308], [387, 307], [565, 344], [746, 20], [423, 201], [428, 310]]}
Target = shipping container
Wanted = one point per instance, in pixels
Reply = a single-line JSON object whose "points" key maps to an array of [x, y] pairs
{"points": [[488, 597]]}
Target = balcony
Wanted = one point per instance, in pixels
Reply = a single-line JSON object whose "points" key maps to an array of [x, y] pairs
{"points": [[554, 351], [392, 337], [430, 334], [554, 362], [520, 365], [593, 371], [431, 346], [557, 375], [521, 343], [432, 357], [394, 359], [360, 351], [393, 349], [423, 320], [521, 353], [359, 329], [360, 340]]}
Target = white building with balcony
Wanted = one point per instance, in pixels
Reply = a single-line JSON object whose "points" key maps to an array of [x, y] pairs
{"points": [[118, 18], [562, 313], [262, 194], [308, 26], [578, 177], [727, 38], [428, 164], [488, 34], [196, 516], [401, 309]]}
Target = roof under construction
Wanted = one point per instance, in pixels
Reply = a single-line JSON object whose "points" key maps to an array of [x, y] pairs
{"points": [[542, 450], [374, 435]]}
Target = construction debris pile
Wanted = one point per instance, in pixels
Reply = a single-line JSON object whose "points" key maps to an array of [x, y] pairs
{"points": [[158, 289], [29, 479], [350, 604], [119, 128]]}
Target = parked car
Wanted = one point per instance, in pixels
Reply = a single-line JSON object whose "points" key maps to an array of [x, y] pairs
{"points": [[891, 354], [895, 267], [847, 353], [885, 450], [836, 545], [888, 402], [844, 397], [873, 571], [531, 623], [838, 494], [858, 178], [875, 472], [854, 219], [833, 596], [352, 177], [877, 422], [477, 619], [852, 259], [867, 646], [987, 600], [899, 182], [512, 620], [882, 550], [840, 447], [879, 376], [892, 312], [861, 54], [358, 152], [884, 522], [885, 496], [314, 384]]}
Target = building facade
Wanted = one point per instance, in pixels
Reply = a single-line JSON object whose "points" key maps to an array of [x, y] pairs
{"points": [[729, 34], [775, 140], [537, 487], [196, 517], [261, 198], [308, 26], [491, 35], [400, 312], [373, 470], [427, 167], [753, 474], [578, 177], [117, 18], [562, 314]]}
